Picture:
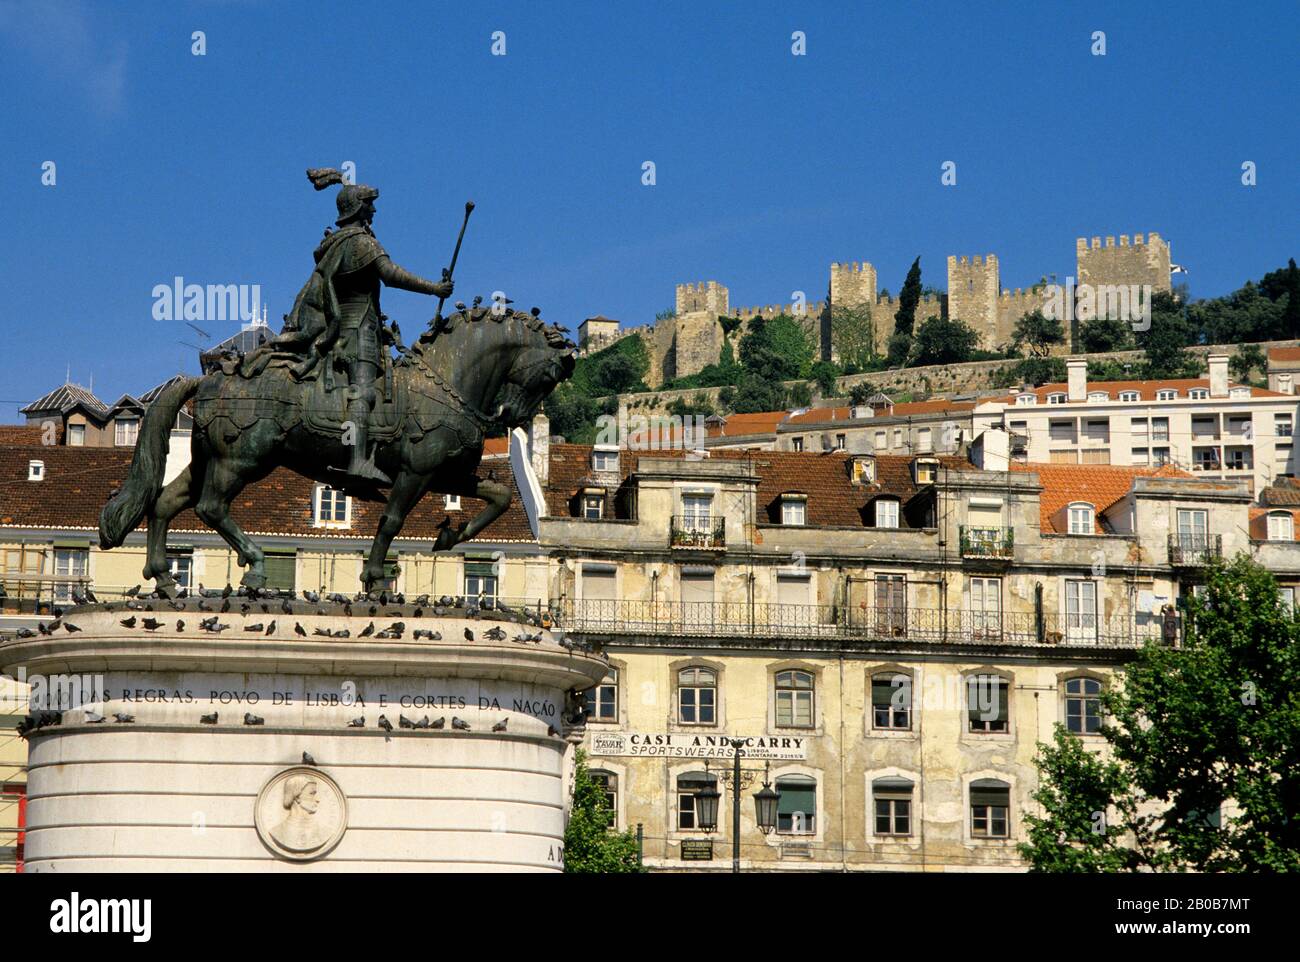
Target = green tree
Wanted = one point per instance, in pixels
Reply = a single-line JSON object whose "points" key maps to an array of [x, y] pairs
{"points": [[699, 404], [942, 340], [1102, 334], [908, 298], [1038, 332], [1249, 357], [756, 393], [824, 374], [589, 843], [1190, 729], [853, 335], [778, 348], [1167, 339]]}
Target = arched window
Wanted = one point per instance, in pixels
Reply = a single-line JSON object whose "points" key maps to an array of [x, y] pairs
{"points": [[602, 699], [891, 701], [1082, 518], [990, 808], [891, 800], [794, 699], [987, 708], [688, 785], [1083, 706], [796, 811], [697, 696], [607, 782], [1056, 397], [1281, 526]]}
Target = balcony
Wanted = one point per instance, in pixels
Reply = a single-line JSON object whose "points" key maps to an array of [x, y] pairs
{"points": [[996, 543], [827, 626], [699, 533], [1193, 550]]}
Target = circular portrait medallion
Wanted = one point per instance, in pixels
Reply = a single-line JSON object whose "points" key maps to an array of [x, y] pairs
{"points": [[301, 814]]}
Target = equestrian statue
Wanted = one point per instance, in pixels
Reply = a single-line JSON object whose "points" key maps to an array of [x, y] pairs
{"points": [[328, 399]]}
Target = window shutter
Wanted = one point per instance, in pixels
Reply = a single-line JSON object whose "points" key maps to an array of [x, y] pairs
{"points": [[280, 570]]}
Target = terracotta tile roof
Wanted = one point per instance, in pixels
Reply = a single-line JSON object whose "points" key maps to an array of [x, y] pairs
{"points": [[1259, 522], [1286, 491], [1284, 353], [1101, 485], [496, 447], [78, 480], [26, 434], [906, 409], [833, 500], [1146, 389], [743, 425], [64, 399]]}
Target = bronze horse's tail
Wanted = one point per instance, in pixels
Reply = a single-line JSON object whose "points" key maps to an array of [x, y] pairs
{"points": [[130, 503]]}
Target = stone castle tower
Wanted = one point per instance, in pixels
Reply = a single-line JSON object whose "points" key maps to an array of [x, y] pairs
{"points": [[1142, 262]]}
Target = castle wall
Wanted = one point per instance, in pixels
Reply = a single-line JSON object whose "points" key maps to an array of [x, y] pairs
{"points": [[1145, 261]]}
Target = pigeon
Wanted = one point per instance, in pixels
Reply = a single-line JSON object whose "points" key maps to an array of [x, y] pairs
{"points": [[225, 606], [244, 608], [180, 625], [385, 724], [270, 629], [550, 730], [323, 632], [310, 597], [70, 628], [426, 633], [151, 624], [176, 605], [123, 718], [343, 634], [459, 724], [42, 628], [128, 622], [495, 633], [90, 596], [92, 717], [227, 590], [299, 630], [501, 725], [422, 601], [423, 722], [257, 627], [208, 719], [214, 627], [204, 607], [367, 631], [404, 722], [359, 722], [446, 602], [251, 719], [308, 760], [27, 633], [285, 607], [418, 613], [440, 723], [347, 609], [469, 635], [132, 592], [472, 611]]}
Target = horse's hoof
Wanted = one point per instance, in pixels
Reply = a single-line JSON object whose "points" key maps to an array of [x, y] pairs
{"points": [[167, 589], [253, 580]]}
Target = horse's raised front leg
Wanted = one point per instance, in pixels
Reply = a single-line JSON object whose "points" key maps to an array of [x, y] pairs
{"points": [[175, 498], [497, 496], [221, 485], [407, 489]]}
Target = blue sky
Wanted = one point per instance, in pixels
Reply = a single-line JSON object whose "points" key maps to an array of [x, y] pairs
{"points": [[769, 166]]}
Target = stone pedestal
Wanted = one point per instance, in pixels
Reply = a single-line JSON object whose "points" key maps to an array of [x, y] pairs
{"points": [[160, 784]]}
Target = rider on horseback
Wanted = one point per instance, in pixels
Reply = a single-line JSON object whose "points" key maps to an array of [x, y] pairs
{"points": [[337, 312]]}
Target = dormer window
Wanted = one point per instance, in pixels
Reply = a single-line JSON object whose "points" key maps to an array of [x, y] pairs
{"points": [[35, 470], [593, 504], [1281, 526], [1198, 394], [926, 470], [1166, 394], [886, 513], [862, 470], [1129, 396], [1098, 396], [331, 508], [1236, 392], [125, 432], [1057, 397], [794, 509], [1082, 518], [451, 502], [1024, 400], [604, 460]]}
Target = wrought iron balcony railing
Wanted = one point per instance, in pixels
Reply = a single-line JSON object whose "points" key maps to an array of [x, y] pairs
{"points": [[1195, 549], [701, 532], [985, 542]]}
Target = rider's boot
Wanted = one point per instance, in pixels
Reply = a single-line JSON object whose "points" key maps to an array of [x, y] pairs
{"points": [[361, 468]]}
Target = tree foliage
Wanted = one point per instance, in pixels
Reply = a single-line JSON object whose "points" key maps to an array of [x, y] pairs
{"points": [[590, 845], [908, 298], [778, 348], [1203, 741], [853, 335], [1103, 334], [942, 340], [1038, 332]]}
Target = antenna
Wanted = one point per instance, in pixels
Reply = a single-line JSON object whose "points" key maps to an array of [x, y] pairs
{"points": [[200, 331]]}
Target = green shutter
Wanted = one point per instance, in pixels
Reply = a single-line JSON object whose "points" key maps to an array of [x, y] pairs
{"points": [[280, 566]]}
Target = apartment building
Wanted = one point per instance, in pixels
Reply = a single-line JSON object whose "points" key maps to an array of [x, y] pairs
{"points": [[1206, 426]]}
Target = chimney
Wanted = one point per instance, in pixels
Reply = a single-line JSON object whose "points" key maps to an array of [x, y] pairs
{"points": [[1218, 375], [539, 446], [989, 451], [1078, 379], [1284, 384]]}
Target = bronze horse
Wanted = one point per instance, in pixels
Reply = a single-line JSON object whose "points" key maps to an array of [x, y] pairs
{"points": [[505, 363]]}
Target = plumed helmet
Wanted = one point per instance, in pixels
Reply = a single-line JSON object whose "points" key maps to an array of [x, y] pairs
{"points": [[351, 198]]}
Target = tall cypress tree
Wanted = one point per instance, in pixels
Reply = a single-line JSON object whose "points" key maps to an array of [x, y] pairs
{"points": [[908, 298]]}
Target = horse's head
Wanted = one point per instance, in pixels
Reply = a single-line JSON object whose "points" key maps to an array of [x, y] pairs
{"points": [[544, 359]]}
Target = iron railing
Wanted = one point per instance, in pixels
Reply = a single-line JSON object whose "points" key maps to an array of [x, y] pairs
{"points": [[693, 531], [1195, 549], [987, 542]]}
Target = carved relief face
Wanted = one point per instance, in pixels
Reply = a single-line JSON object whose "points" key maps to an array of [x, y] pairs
{"points": [[309, 799]]}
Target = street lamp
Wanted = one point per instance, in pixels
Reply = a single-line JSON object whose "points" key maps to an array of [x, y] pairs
{"points": [[765, 805], [706, 803]]}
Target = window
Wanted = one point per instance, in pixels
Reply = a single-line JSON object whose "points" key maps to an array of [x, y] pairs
{"points": [[1241, 426], [796, 812], [481, 579], [1160, 456], [35, 470], [891, 605], [898, 438], [1083, 706], [1081, 518], [923, 440], [1286, 595], [607, 782], [77, 435], [697, 696], [181, 567], [1205, 459], [604, 460], [841, 442], [1198, 394], [1159, 429], [796, 444], [602, 699], [882, 440], [986, 703], [1095, 456], [1281, 526], [1166, 395], [892, 801], [451, 502], [794, 699], [891, 701], [1097, 429], [1239, 392], [688, 786], [1205, 427], [794, 511], [986, 607], [1238, 459], [864, 470], [1063, 457], [1140, 456], [1282, 425], [1056, 398], [1081, 610], [125, 431], [927, 471], [990, 803], [72, 564], [333, 508], [1128, 395], [1024, 400], [1098, 396], [1060, 430], [886, 513], [282, 570], [696, 509], [593, 506]]}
